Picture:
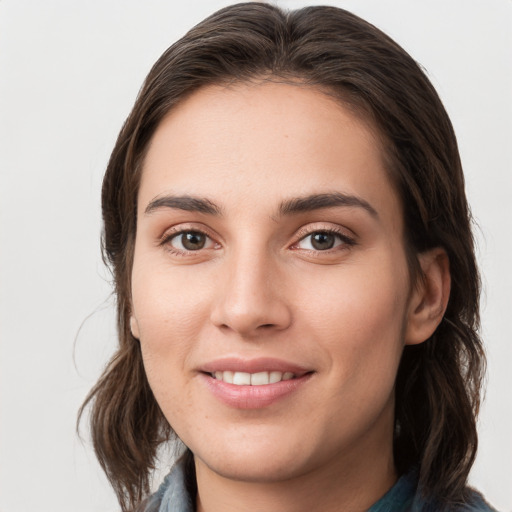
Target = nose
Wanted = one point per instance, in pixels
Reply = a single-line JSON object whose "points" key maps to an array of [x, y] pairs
{"points": [[251, 298]]}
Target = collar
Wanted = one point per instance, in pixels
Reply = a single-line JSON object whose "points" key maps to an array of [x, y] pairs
{"points": [[172, 496]]}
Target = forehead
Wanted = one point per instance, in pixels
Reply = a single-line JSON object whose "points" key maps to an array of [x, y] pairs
{"points": [[262, 141]]}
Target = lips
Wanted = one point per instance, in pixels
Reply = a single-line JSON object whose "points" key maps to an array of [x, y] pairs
{"points": [[261, 364], [253, 384]]}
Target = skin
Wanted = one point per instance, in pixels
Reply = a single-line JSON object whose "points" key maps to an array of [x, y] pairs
{"points": [[260, 288]]}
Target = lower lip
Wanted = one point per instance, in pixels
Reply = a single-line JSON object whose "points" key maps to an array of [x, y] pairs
{"points": [[253, 397]]}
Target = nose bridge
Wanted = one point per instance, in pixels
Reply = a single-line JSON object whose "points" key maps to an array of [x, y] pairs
{"points": [[250, 297]]}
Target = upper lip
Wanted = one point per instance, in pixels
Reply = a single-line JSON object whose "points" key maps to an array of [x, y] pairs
{"points": [[262, 364]]}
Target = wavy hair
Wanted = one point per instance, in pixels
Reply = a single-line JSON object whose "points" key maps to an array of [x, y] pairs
{"points": [[438, 382]]}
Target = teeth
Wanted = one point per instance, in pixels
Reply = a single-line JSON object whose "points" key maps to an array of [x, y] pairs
{"points": [[259, 379], [241, 378], [275, 377], [253, 379]]}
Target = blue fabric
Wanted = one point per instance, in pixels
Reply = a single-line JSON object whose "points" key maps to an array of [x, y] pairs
{"points": [[172, 496], [399, 498], [402, 497]]}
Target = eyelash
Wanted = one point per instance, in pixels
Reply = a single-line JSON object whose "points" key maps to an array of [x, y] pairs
{"points": [[345, 240], [169, 236]]}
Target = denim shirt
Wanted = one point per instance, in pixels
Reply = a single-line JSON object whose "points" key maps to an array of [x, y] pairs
{"points": [[172, 496]]}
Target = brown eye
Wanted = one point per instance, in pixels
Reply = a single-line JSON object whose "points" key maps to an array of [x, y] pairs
{"points": [[189, 241], [322, 241]]}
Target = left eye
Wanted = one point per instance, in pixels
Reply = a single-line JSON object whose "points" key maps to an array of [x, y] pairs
{"points": [[190, 241], [321, 241]]}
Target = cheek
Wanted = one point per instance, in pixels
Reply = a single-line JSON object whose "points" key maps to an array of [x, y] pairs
{"points": [[168, 303], [359, 316], [169, 308]]}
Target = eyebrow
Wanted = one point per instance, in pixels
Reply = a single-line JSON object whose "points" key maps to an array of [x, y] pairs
{"points": [[319, 201], [288, 207], [187, 203]]}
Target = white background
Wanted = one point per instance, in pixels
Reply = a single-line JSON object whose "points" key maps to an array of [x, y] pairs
{"points": [[69, 73]]}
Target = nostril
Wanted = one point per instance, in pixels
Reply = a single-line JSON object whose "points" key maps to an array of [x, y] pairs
{"points": [[249, 315]]}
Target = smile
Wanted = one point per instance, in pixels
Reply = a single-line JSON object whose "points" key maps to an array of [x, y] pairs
{"points": [[252, 379], [253, 383]]}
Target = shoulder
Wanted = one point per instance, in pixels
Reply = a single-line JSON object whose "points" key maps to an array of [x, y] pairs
{"points": [[405, 496], [473, 502]]}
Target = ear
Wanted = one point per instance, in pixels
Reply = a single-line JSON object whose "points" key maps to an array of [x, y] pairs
{"points": [[134, 327], [429, 298]]}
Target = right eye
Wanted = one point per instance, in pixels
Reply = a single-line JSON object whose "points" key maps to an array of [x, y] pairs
{"points": [[186, 241]]}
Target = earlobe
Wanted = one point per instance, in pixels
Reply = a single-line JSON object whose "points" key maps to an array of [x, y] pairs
{"points": [[134, 327], [430, 296]]}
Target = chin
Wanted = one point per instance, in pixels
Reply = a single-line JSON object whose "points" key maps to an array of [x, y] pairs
{"points": [[255, 455], [259, 468]]}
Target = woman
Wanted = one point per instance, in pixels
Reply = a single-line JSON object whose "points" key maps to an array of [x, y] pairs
{"points": [[286, 222]]}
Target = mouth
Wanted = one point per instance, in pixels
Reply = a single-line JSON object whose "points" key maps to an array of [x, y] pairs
{"points": [[252, 379], [253, 384]]}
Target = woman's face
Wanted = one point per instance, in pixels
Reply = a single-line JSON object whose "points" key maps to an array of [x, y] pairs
{"points": [[270, 250]]}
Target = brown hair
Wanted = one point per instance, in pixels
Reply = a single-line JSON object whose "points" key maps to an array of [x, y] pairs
{"points": [[438, 382]]}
